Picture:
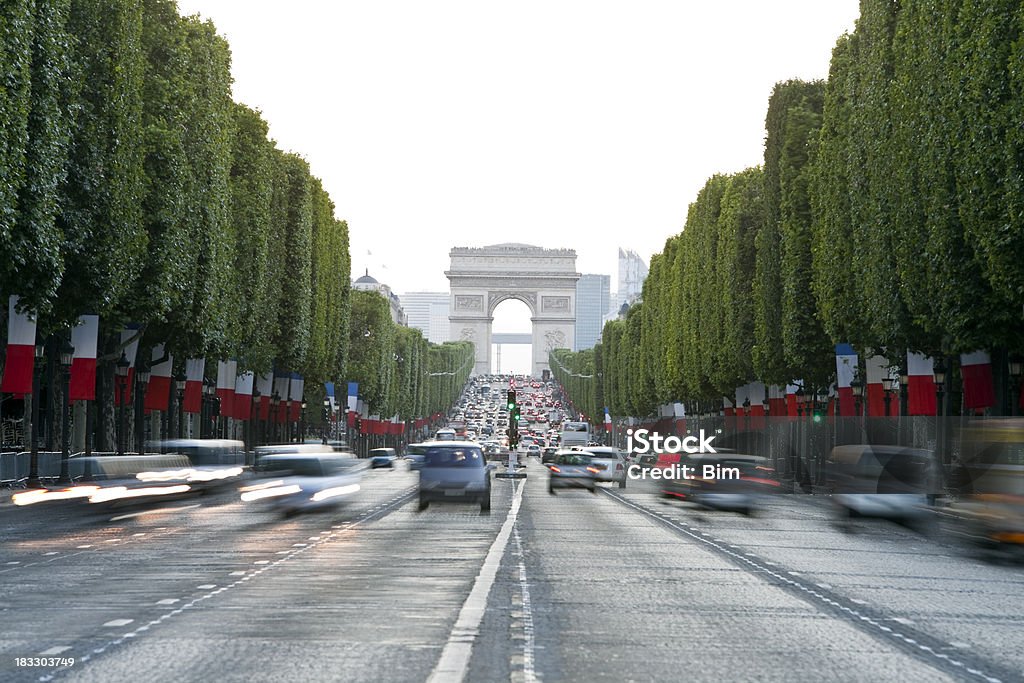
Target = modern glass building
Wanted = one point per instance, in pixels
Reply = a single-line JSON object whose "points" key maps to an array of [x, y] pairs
{"points": [[592, 300], [428, 312]]}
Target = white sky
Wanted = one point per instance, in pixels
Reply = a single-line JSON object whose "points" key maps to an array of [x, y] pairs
{"points": [[585, 124]]}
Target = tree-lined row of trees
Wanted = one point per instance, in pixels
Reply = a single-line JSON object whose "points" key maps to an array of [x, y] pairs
{"points": [[136, 189], [888, 213], [398, 370]]}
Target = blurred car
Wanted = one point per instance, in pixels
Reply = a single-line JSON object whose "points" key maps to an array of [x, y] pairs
{"points": [[610, 464], [572, 469], [988, 513], [381, 458], [548, 455], [533, 449], [739, 482], [452, 471], [293, 482], [883, 482]]}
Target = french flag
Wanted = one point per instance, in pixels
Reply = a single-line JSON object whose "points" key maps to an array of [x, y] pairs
{"points": [[131, 350], [84, 337], [727, 405], [158, 393], [295, 396], [265, 385], [243, 395], [195, 370], [607, 419], [877, 369], [920, 385], [791, 403], [226, 370], [846, 368], [776, 401], [281, 389], [976, 369], [21, 351], [755, 392]]}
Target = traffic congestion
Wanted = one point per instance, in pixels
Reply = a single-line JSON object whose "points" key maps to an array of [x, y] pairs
{"points": [[495, 550]]}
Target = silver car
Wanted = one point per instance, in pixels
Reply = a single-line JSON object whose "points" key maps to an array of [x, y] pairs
{"points": [[452, 471], [572, 469], [292, 482]]}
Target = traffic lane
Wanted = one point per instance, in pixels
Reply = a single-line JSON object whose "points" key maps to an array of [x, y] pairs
{"points": [[64, 602], [375, 601], [916, 582], [617, 596]]}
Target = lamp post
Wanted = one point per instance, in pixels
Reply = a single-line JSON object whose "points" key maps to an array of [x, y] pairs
{"points": [[254, 418], [746, 414], [858, 396], [141, 382], [326, 416], [302, 423], [275, 401], [1015, 367], [939, 376], [66, 353], [121, 371], [33, 461], [179, 385], [887, 391]]}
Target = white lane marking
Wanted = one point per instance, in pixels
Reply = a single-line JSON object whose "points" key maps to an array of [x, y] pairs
{"points": [[83, 547], [206, 586], [119, 622], [529, 673], [237, 574], [454, 661], [167, 601], [55, 650], [52, 552], [14, 562], [796, 583]]}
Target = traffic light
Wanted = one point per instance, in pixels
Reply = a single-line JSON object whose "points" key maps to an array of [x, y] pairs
{"points": [[511, 399]]}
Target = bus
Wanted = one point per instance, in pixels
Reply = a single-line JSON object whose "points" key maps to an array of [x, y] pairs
{"points": [[575, 434]]}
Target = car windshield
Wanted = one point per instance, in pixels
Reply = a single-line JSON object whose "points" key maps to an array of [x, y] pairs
{"points": [[302, 467], [574, 459], [452, 456]]}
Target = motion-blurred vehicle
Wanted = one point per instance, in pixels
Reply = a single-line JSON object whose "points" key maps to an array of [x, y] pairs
{"points": [[572, 469], [548, 455], [988, 513], [533, 449], [883, 482], [452, 471], [610, 464], [294, 482], [381, 458], [575, 434], [738, 482]]}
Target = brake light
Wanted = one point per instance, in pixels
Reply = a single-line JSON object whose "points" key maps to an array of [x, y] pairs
{"points": [[593, 469], [555, 469]]}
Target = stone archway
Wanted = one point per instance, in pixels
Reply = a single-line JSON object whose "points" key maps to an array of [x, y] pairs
{"points": [[543, 279]]}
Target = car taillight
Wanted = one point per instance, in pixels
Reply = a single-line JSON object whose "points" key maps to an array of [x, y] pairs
{"points": [[555, 469], [593, 469]]}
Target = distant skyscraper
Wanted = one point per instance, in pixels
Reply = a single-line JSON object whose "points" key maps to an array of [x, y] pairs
{"points": [[632, 273], [592, 295], [428, 312]]}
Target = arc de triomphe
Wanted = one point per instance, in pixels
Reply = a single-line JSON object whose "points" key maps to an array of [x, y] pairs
{"points": [[543, 279]]}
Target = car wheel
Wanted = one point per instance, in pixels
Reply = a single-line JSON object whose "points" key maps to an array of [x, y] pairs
{"points": [[551, 489], [622, 484], [485, 504], [424, 503]]}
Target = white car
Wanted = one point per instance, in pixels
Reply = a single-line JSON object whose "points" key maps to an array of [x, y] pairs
{"points": [[609, 462], [304, 481]]}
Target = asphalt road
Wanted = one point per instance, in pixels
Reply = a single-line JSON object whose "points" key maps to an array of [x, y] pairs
{"points": [[614, 586]]}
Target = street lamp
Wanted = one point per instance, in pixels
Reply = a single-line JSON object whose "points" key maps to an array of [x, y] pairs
{"points": [[121, 371], [275, 401], [888, 387], [1016, 367], [801, 398], [254, 418], [67, 351], [33, 462], [858, 395], [904, 388], [939, 376], [179, 385], [141, 382]]}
